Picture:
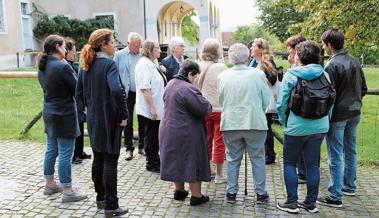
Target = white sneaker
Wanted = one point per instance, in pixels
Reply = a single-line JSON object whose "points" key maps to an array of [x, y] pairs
{"points": [[220, 179]]}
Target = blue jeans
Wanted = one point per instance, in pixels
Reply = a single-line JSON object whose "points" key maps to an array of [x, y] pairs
{"points": [[342, 156], [236, 141], [310, 147], [64, 149]]}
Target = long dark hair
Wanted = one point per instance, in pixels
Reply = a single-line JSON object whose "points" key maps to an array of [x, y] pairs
{"points": [[49, 48]]}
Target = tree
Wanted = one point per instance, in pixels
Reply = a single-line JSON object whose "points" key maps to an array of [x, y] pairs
{"points": [[77, 29], [189, 29], [245, 34], [358, 19]]}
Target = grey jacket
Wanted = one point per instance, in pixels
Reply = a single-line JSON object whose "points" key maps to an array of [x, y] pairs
{"points": [[121, 58]]}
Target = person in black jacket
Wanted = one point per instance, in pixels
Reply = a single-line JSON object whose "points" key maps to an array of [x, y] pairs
{"points": [[173, 62], [102, 94], [58, 81], [79, 153], [350, 85]]}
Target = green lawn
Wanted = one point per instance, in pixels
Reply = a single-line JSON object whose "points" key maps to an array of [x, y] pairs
{"points": [[21, 100], [32, 69]]}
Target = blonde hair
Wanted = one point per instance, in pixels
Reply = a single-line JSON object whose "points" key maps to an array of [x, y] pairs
{"points": [[267, 67], [96, 39], [148, 48], [263, 45], [210, 50]]}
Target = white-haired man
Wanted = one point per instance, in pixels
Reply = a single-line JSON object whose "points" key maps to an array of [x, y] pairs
{"points": [[173, 62], [126, 60], [244, 97]]}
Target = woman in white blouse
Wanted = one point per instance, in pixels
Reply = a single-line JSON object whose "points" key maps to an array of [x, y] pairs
{"points": [[150, 83]]}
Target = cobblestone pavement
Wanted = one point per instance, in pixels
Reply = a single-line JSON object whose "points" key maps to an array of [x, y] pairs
{"points": [[145, 195]]}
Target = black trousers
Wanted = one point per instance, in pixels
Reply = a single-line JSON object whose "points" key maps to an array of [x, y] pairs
{"points": [[269, 143], [79, 142], [128, 131], [151, 131], [104, 176]]}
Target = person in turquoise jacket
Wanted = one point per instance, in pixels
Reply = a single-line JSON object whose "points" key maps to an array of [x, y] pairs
{"points": [[301, 134]]}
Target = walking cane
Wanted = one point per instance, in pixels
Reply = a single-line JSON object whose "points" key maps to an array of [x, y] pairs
{"points": [[245, 170]]}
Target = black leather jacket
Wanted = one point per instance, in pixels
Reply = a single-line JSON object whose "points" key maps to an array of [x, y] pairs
{"points": [[350, 84]]}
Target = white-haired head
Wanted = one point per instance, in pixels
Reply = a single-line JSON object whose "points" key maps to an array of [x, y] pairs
{"points": [[176, 42], [134, 35], [238, 54]]}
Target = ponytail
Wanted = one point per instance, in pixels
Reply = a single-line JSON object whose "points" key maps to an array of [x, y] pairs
{"points": [[87, 57], [41, 61]]}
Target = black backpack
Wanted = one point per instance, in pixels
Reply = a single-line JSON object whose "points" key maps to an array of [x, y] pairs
{"points": [[312, 99]]}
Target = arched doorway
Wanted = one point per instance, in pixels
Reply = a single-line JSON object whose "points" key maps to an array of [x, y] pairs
{"points": [[170, 19]]}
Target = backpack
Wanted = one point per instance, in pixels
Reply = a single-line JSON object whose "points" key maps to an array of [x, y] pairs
{"points": [[312, 99]]}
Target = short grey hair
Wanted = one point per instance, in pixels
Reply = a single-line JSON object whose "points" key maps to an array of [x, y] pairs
{"points": [[238, 54], [175, 41], [133, 35]]}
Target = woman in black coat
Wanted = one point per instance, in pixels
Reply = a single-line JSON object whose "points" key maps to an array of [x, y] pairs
{"points": [[58, 81], [100, 91]]}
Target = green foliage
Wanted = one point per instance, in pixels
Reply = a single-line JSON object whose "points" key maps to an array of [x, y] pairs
{"points": [[358, 19], [278, 15], [74, 28], [189, 29], [245, 34]]}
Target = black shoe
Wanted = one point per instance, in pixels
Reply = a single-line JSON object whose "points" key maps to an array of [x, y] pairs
{"points": [[84, 155], [100, 204], [197, 201], [268, 161], [76, 160], [301, 181], [288, 207], [117, 212], [262, 199], [231, 198], [327, 201], [180, 195], [311, 208], [154, 169], [348, 193]]}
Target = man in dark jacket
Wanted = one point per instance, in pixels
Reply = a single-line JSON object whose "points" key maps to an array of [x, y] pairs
{"points": [[350, 84], [173, 62]]}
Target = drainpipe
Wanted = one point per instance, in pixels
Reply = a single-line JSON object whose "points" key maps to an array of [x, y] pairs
{"points": [[144, 17]]}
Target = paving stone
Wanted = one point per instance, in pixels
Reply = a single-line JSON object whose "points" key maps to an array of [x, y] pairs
{"points": [[145, 195]]}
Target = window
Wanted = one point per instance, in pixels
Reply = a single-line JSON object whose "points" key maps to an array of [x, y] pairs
{"points": [[24, 8], [2, 17]]}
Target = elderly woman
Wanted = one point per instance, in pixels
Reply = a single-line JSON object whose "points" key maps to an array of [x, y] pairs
{"points": [[173, 62], [100, 90], [58, 81], [244, 96], [207, 84], [301, 135], [183, 137], [150, 83]]}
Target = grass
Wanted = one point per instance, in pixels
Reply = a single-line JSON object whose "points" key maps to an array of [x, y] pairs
{"points": [[28, 69], [21, 100]]}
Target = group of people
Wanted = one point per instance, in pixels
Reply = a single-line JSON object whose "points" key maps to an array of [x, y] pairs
{"points": [[190, 114]]}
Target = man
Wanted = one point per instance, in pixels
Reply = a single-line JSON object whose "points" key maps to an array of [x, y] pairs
{"points": [[350, 86], [244, 97], [173, 62], [126, 60], [291, 43]]}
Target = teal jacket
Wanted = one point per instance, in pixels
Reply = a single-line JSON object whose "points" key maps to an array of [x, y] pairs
{"points": [[244, 96], [296, 125]]}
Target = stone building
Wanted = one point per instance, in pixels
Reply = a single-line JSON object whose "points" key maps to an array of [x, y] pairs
{"points": [[155, 19]]}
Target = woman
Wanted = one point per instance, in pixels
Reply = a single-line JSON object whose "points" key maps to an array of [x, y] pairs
{"points": [[183, 137], [207, 84], [79, 154], [150, 83], [301, 135], [58, 81], [101, 92], [260, 51]]}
